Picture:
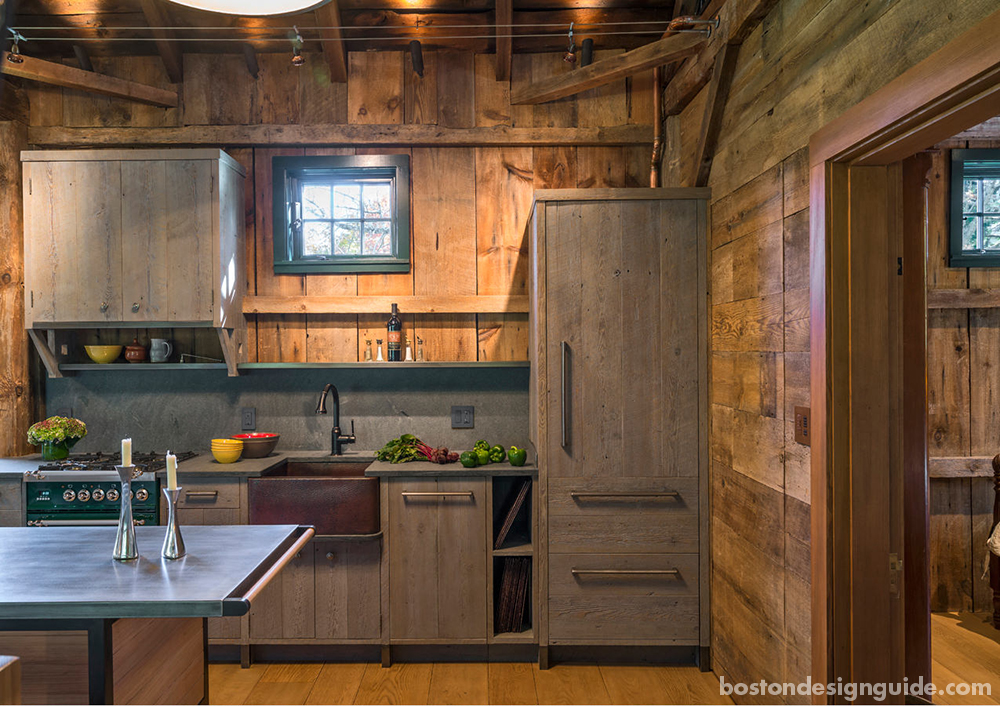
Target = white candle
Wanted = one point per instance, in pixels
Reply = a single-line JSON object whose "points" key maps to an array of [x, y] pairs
{"points": [[126, 452], [171, 471]]}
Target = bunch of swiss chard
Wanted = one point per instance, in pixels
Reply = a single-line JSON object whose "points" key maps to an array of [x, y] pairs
{"points": [[410, 448]]}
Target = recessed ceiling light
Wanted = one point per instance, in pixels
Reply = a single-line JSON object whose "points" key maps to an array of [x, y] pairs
{"points": [[253, 7]]}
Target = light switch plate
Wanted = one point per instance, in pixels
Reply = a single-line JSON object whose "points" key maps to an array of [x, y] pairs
{"points": [[248, 418], [463, 417], [802, 425]]}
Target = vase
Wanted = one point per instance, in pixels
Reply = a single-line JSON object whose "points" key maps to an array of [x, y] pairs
{"points": [[57, 450]]}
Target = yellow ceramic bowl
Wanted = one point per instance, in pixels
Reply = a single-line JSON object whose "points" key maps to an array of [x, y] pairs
{"points": [[103, 354], [227, 455], [227, 443]]}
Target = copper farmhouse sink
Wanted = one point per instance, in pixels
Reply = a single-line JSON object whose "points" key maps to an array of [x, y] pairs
{"points": [[332, 496]]}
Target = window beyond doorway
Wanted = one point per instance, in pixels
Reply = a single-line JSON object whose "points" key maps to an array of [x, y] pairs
{"points": [[341, 214], [975, 208]]}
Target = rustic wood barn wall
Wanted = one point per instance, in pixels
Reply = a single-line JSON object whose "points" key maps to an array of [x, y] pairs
{"points": [[469, 204], [807, 62], [963, 360]]}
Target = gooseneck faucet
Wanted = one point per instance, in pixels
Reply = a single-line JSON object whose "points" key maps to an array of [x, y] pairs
{"points": [[337, 438]]}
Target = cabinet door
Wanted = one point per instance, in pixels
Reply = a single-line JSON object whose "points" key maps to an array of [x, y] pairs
{"points": [[348, 590], [437, 558], [73, 242], [286, 608], [168, 261]]}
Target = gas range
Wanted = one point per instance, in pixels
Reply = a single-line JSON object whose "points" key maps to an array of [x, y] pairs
{"points": [[84, 489]]}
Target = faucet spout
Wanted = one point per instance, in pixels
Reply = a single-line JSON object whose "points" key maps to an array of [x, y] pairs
{"points": [[337, 438]]}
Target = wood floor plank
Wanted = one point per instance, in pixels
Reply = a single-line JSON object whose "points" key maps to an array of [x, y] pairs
{"points": [[942, 676], [512, 683], [292, 672], [967, 649], [337, 684], [571, 684], [230, 684], [279, 692], [689, 685], [399, 684], [459, 683], [634, 685]]}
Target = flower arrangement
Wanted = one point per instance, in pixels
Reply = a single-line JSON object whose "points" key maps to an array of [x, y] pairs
{"points": [[56, 430]]}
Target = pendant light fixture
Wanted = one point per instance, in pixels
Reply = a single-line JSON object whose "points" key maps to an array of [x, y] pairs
{"points": [[254, 8]]}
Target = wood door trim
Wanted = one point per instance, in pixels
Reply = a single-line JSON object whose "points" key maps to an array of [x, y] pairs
{"points": [[951, 90]]}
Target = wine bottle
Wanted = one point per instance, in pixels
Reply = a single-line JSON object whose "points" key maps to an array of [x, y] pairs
{"points": [[394, 339]]}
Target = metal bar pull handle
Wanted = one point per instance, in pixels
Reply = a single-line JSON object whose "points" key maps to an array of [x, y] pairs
{"points": [[651, 494], [564, 352], [445, 494], [625, 572], [202, 494]]}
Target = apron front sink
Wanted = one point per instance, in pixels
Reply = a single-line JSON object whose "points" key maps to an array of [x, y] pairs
{"points": [[332, 496]]}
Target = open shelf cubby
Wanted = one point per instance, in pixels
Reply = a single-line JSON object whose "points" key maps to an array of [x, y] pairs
{"points": [[513, 545]]}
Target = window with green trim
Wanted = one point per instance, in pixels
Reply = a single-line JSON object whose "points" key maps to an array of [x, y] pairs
{"points": [[341, 214], [975, 208]]}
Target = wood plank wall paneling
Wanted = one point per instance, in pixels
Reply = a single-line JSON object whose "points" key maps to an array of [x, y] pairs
{"points": [[468, 205], [805, 64], [963, 418]]}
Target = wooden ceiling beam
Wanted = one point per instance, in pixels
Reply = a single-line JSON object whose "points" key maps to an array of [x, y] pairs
{"points": [[331, 135], [72, 77], [504, 20], [662, 51], [737, 19], [334, 48], [711, 122], [157, 18]]}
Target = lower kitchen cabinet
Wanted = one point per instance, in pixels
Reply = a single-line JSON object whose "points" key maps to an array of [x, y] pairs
{"points": [[10, 503], [285, 609], [348, 589], [438, 553]]}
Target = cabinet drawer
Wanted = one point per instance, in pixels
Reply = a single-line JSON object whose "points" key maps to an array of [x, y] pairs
{"points": [[221, 492], [623, 515], [10, 495], [609, 597]]}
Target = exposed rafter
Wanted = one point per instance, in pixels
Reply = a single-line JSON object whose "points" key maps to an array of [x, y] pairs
{"points": [[711, 122], [72, 77], [335, 51], [170, 51], [504, 16], [662, 51], [737, 19]]}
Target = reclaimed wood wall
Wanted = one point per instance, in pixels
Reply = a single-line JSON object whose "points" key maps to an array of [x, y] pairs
{"points": [[963, 420], [803, 66], [468, 205]]}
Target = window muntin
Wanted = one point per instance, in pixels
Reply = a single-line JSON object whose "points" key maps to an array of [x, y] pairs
{"points": [[341, 214], [975, 208]]}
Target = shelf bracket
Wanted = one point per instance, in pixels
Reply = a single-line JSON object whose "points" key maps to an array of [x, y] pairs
{"points": [[230, 350], [46, 353]]}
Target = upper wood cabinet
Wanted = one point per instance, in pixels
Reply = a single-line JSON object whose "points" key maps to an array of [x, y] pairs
{"points": [[133, 237]]}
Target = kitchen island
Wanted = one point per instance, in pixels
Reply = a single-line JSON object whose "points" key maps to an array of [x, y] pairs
{"points": [[91, 629]]}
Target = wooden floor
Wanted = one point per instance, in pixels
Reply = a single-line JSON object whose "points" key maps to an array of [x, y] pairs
{"points": [[460, 683], [965, 647]]}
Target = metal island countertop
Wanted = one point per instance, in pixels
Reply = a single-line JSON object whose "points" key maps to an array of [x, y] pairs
{"points": [[68, 572]]}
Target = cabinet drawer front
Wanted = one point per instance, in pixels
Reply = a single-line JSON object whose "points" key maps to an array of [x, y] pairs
{"points": [[222, 492], [10, 495], [626, 533], [577, 575], [615, 496]]}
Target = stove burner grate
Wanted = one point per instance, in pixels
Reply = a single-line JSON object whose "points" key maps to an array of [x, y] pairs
{"points": [[99, 461]]}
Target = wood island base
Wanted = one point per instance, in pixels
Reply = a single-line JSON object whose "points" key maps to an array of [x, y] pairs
{"points": [[110, 661]]}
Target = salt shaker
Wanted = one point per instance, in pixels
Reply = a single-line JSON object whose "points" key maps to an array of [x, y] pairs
{"points": [[368, 350], [379, 342]]}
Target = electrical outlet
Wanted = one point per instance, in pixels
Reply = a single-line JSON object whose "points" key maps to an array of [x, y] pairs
{"points": [[463, 417], [248, 418], [802, 425]]}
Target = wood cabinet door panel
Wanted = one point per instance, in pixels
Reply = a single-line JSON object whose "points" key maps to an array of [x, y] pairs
{"points": [[437, 559], [596, 618], [285, 609], [348, 590], [73, 241], [168, 223]]}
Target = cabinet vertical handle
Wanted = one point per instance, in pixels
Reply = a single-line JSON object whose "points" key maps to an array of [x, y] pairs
{"points": [[564, 351]]}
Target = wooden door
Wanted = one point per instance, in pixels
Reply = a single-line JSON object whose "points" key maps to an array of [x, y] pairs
{"points": [[168, 222], [348, 590], [286, 608], [73, 242], [437, 559]]}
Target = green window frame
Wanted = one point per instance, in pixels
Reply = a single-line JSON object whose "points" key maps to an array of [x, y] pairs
{"points": [[348, 214], [975, 208]]}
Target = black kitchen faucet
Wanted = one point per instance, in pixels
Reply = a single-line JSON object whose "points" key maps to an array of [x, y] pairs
{"points": [[337, 439]]}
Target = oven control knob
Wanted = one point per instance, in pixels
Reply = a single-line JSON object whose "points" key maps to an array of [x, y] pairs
{"points": [[69, 496], [83, 496], [97, 495], [113, 495], [141, 494]]}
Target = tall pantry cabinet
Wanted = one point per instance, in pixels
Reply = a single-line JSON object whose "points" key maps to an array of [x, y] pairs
{"points": [[619, 416]]}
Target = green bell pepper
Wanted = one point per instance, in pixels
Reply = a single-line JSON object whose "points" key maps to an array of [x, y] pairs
{"points": [[469, 459], [481, 444], [497, 454], [483, 456], [517, 456]]}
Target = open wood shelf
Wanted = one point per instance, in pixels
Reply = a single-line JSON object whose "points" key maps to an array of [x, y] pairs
{"points": [[516, 546], [81, 367], [142, 366], [409, 304], [525, 637]]}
